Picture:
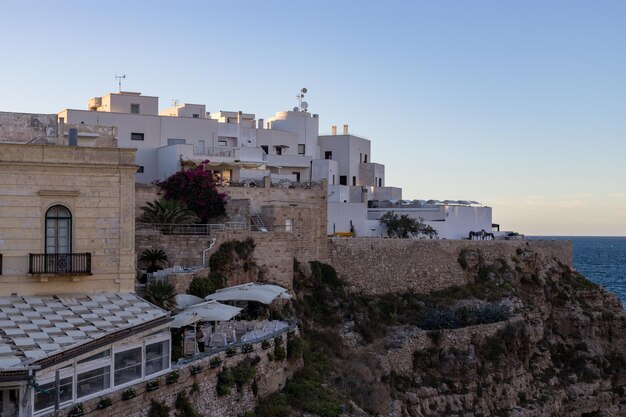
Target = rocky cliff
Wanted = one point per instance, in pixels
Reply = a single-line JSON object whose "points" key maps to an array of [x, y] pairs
{"points": [[526, 336]]}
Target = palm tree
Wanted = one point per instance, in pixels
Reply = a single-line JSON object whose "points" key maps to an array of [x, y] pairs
{"points": [[154, 258], [167, 212], [161, 294]]}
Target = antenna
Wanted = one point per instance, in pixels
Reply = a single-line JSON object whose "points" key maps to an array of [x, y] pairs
{"points": [[175, 102], [119, 81], [302, 105]]}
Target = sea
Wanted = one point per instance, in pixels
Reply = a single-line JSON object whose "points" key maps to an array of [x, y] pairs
{"points": [[600, 259]]}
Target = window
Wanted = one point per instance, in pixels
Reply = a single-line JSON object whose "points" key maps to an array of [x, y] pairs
{"points": [[171, 142], [222, 142], [265, 148], [195, 116], [289, 225], [58, 230], [380, 182], [297, 174], [365, 159], [279, 150], [128, 366], [360, 157], [140, 169], [93, 381], [101, 355], [343, 180], [45, 397], [328, 155], [301, 149], [157, 357], [134, 108], [136, 136], [333, 179], [353, 180]]}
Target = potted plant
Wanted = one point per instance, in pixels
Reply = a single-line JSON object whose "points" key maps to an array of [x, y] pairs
{"points": [[231, 351], [153, 384], [172, 377], [195, 369], [129, 394], [215, 362], [104, 403], [265, 344], [247, 348], [77, 411]]}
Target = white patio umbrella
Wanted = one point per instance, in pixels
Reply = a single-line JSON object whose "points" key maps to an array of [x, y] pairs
{"points": [[250, 292], [184, 319], [185, 300], [212, 311]]}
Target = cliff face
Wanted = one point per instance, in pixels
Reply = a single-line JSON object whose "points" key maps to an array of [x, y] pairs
{"points": [[562, 353], [527, 336]]}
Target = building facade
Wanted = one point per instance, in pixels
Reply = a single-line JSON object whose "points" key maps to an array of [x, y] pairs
{"points": [[67, 271]]}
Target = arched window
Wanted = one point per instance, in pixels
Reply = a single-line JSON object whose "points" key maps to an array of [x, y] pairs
{"points": [[58, 230]]}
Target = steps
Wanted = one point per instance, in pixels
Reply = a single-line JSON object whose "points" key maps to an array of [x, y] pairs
{"points": [[258, 223]]}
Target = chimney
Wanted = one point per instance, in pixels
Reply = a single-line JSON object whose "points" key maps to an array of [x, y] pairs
{"points": [[334, 130], [239, 117], [345, 129], [260, 123]]}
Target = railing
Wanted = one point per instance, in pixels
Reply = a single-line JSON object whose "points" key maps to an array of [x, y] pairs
{"points": [[60, 263], [192, 229]]}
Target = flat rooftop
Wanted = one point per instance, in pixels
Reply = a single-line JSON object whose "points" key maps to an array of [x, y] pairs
{"points": [[33, 328]]}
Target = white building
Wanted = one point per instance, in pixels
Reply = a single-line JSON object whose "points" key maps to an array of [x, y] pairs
{"points": [[286, 146]]}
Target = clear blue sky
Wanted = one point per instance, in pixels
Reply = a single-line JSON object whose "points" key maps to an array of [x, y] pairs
{"points": [[519, 105]]}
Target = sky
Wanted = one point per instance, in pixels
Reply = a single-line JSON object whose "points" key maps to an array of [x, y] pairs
{"points": [[518, 105]]}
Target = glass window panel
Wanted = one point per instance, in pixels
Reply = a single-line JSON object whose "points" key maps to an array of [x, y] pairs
{"points": [[46, 394], [101, 355], [93, 381], [127, 366], [157, 357]]}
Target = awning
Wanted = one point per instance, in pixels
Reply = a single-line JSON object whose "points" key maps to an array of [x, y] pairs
{"points": [[250, 292], [185, 300], [205, 311]]}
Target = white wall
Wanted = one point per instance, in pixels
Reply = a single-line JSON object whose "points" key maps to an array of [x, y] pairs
{"points": [[340, 215], [120, 103], [326, 169], [450, 222], [305, 125], [349, 151]]}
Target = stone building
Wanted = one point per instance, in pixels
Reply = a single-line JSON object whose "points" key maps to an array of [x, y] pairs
{"points": [[67, 270]]}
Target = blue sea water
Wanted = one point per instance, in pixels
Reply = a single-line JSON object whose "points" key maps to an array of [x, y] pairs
{"points": [[601, 260]]}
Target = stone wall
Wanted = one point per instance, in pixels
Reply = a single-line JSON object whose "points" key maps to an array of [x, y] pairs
{"points": [[271, 376], [96, 186], [304, 239], [27, 127], [379, 265]]}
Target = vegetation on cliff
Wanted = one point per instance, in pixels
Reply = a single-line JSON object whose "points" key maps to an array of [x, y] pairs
{"points": [[524, 337]]}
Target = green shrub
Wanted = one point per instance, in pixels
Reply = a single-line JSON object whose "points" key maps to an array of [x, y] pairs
{"points": [[172, 377], [215, 362], [243, 373], [225, 381], [184, 407], [158, 409], [265, 344], [279, 353], [231, 351], [295, 346]]}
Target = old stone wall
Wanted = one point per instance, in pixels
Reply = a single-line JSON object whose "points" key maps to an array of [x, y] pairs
{"points": [[27, 127], [296, 219], [271, 376], [380, 265]]}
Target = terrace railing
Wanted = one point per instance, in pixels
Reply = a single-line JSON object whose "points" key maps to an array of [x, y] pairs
{"points": [[192, 229], [60, 263]]}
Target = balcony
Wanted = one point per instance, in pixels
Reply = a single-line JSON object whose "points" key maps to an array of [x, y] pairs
{"points": [[59, 263]]}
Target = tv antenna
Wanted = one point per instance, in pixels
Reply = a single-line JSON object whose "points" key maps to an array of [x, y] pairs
{"points": [[302, 105], [119, 81], [175, 102]]}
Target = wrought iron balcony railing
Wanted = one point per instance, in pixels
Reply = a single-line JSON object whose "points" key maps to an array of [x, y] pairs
{"points": [[60, 263]]}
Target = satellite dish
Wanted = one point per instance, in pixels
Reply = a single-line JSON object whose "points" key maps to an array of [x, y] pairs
{"points": [[305, 105], [303, 91], [295, 109]]}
